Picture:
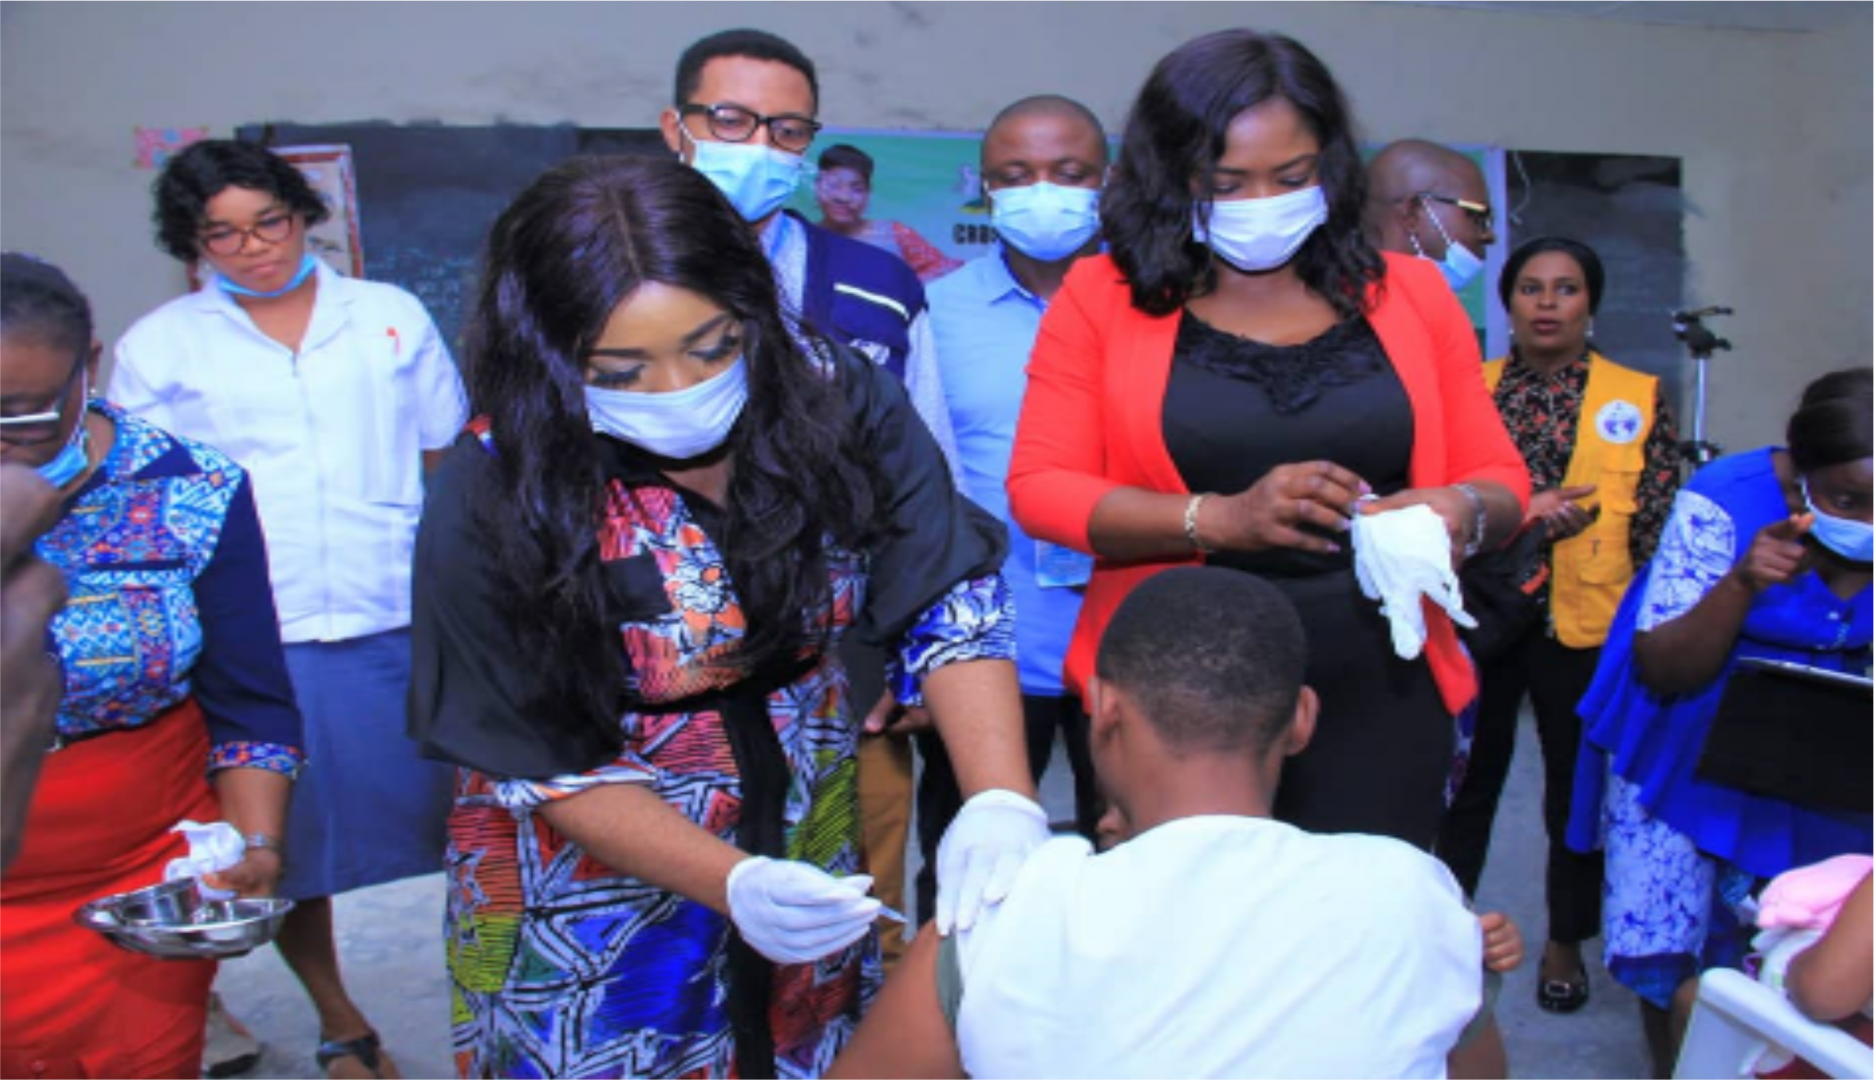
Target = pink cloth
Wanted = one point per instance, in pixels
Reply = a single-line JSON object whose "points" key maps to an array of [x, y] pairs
{"points": [[1809, 897]]}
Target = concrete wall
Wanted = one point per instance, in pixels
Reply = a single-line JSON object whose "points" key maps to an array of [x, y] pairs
{"points": [[1774, 128]]}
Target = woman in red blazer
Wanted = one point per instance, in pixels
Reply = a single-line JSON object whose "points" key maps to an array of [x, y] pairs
{"points": [[1235, 375]]}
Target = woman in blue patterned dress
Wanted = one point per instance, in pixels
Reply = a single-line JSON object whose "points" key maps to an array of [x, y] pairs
{"points": [[1766, 555], [630, 578], [176, 704]]}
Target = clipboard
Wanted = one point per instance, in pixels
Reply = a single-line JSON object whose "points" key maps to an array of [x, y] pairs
{"points": [[1793, 732]]}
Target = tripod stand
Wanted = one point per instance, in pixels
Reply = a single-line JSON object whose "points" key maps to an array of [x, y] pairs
{"points": [[1701, 343]]}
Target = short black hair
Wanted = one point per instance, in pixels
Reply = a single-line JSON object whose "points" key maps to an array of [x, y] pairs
{"points": [[208, 168], [1583, 255], [847, 156], [1176, 132], [1214, 658], [1048, 104], [39, 301], [753, 44], [1832, 424]]}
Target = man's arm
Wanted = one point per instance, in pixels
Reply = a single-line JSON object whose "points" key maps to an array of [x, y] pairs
{"points": [[905, 1034]]}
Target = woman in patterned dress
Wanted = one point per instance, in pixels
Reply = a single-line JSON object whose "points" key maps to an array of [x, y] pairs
{"points": [[1766, 555], [654, 854], [176, 704]]}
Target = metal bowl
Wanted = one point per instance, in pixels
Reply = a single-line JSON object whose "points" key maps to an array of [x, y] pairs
{"points": [[215, 929], [171, 903]]}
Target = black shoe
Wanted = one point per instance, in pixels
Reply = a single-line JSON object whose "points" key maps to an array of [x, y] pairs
{"points": [[1563, 995]]}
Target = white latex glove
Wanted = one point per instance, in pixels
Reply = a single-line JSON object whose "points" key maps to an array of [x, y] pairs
{"points": [[1399, 557], [982, 852], [212, 847], [794, 913]]}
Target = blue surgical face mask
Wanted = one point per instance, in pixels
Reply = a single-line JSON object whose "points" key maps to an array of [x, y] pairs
{"points": [[1046, 221], [678, 425], [1459, 266], [1852, 540], [307, 264], [756, 179], [71, 460], [1261, 234]]}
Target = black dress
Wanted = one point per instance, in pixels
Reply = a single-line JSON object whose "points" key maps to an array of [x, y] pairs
{"points": [[1236, 408]]}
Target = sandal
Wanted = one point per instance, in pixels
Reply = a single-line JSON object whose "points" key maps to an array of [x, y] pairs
{"points": [[1562, 995], [366, 1048]]}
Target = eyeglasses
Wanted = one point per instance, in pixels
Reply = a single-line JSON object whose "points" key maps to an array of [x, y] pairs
{"points": [[31, 429], [732, 123], [232, 239], [1480, 213]]}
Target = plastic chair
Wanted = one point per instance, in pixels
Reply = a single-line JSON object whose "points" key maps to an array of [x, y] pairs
{"points": [[1737, 1019]]}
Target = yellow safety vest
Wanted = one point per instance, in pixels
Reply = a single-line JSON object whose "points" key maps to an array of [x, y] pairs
{"points": [[1590, 572]]}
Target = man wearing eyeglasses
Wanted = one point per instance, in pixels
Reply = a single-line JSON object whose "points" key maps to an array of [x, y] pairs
{"points": [[1430, 201], [744, 115]]}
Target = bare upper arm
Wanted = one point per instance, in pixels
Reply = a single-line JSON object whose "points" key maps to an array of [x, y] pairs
{"points": [[905, 1034]]}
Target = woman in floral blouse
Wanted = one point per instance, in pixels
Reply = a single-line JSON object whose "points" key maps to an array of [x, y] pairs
{"points": [[177, 703], [631, 578], [1603, 462]]}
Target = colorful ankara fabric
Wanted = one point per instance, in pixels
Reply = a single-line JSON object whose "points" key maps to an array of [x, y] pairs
{"points": [[167, 573], [564, 967]]}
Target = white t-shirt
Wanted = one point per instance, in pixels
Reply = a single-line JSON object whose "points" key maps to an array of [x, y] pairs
{"points": [[332, 435], [1221, 946]]}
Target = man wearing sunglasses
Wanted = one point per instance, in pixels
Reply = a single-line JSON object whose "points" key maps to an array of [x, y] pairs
{"points": [[1431, 201]]}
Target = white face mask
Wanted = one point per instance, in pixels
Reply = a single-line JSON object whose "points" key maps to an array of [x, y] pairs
{"points": [[679, 425], [1261, 234], [1459, 266], [756, 179], [1046, 221]]}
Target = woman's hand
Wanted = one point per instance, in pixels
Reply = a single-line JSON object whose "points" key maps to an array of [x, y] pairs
{"points": [[1274, 511], [1452, 506], [256, 875], [1557, 509], [1776, 554]]}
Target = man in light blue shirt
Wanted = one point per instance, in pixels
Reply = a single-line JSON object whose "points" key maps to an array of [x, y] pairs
{"points": [[1043, 161]]}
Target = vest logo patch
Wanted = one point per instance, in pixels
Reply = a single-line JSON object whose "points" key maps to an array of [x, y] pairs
{"points": [[1619, 422]]}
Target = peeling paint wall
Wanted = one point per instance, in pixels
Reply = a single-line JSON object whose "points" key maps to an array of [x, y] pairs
{"points": [[1773, 128]]}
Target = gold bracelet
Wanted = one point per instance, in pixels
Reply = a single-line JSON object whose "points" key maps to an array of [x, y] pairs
{"points": [[1190, 524]]}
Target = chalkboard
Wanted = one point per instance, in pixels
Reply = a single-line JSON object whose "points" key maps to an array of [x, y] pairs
{"points": [[1630, 210], [427, 194]]}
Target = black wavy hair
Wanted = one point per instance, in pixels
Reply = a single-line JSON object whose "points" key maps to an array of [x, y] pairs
{"points": [[1176, 133], [559, 261], [1583, 255], [753, 44], [38, 300], [1222, 681], [208, 168], [1835, 421]]}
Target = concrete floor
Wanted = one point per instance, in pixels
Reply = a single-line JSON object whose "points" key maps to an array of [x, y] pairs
{"points": [[391, 948]]}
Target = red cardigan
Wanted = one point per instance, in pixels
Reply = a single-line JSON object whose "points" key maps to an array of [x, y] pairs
{"points": [[1092, 421]]}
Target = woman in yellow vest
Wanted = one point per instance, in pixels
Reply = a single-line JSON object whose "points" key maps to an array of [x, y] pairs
{"points": [[1601, 449]]}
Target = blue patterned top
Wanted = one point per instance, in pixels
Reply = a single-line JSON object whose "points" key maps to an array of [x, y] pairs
{"points": [[1653, 741], [167, 573]]}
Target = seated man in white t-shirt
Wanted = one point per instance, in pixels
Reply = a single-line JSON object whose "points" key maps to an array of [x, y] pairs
{"points": [[1213, 940]]}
